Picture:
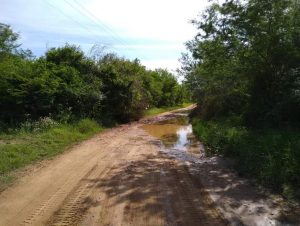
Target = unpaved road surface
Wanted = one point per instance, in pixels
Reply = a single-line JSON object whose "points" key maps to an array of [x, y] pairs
{"points": [[119, 177]]}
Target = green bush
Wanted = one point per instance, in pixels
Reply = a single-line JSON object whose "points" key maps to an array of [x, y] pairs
{"points": [[243, 69], [271, 156], [66, 85], [245, 65], [22, 146], [45, 101], [87, 126]]}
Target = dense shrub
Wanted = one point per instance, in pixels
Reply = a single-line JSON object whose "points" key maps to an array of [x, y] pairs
{"points": [[66, 85], [87, 126], [270, 156], [241, 64], [244, 65]]}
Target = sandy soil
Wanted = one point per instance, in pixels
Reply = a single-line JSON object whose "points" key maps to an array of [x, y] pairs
{"points": [[119, 177], [123, 177]]}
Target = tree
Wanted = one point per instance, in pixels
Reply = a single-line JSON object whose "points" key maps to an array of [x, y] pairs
{"points": [[67, 85], [8, 39], [122, 88], [246, 60]]}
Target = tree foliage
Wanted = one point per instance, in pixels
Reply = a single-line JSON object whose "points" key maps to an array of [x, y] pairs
{"points": [[245, 60], [8, 39], [65, 84], [243, 68]]}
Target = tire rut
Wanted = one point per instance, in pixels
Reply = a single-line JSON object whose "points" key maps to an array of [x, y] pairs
{"points": [[79, 200], [74, 206], [117, 178]]}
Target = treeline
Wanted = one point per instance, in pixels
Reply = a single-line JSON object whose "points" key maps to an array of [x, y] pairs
{"points": [[65, 84], [243, 68]]}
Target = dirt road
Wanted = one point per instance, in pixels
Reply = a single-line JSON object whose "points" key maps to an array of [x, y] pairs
{"points": [[119, 177]]}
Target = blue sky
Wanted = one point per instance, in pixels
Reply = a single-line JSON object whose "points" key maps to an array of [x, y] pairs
{"points": [[153, 31]]}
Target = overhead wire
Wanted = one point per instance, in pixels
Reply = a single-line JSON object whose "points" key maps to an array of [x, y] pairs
{"points": [[81, 8], [78, 23], [85, 12], [103, 25]]}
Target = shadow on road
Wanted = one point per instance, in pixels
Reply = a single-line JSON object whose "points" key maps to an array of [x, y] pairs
{"points": [[158, 187]]}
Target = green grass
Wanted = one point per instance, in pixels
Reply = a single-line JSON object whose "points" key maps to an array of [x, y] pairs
{"points": [[156, 111], [271, 156], [22, 147]]}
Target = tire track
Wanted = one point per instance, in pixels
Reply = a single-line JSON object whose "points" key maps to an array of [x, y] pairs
{"points": [[74, 206], [35, 217], [193, 206], [51, 201], [116, 178], [79, 200]]}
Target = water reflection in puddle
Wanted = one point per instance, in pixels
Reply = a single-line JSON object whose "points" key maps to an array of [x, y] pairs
{"points": [[175, 134]]}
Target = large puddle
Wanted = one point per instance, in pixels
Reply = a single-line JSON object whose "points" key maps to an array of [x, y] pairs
{"points": [[176, 134]]}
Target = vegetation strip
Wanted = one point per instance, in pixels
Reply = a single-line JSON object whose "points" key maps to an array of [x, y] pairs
{"points": [[243, 69], [43, 140], [50, 102]]}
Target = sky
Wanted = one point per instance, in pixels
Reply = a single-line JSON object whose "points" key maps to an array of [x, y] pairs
{"points": [[153, 31]]}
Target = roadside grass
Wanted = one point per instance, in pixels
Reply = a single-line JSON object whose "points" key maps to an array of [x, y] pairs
{"points": [[156, 111], [43, 139], [24, 146], [271, 156]]}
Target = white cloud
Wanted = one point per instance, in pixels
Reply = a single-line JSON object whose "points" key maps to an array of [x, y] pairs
{"points": [[151, 46], [170, 64], [159, 19], [153, 31]]}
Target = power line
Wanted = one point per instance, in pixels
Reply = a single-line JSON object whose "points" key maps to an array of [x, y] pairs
{"points": [[96, 20], [78, 23], [81, 8]]}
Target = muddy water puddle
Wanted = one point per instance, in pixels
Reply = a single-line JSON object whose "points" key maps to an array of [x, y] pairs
{"points": [[176, 134]]}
